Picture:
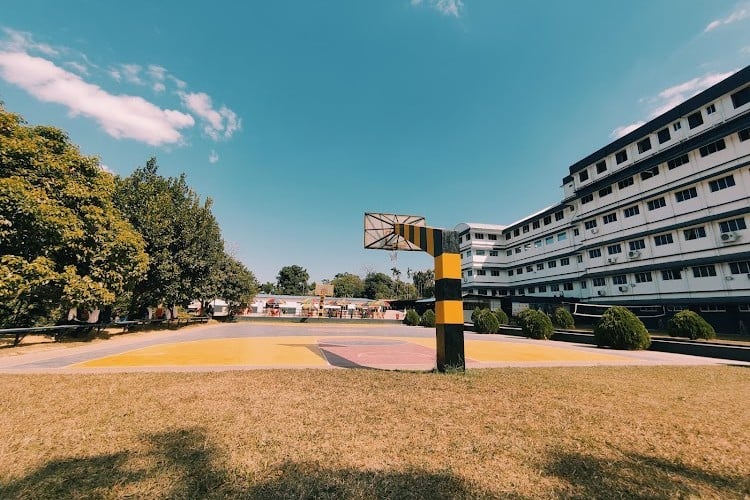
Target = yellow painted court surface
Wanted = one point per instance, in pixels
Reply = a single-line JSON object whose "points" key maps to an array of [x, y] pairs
{"points": [[304, 351]]}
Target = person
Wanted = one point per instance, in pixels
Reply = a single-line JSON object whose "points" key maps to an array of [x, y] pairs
{"points": [[210, 311]]}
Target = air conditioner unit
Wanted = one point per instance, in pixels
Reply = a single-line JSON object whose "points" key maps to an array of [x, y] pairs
{"points": [[612, 260], [601, 293], [594, 230], [729, 278], [624, 288], [729, 237], [634, 254]]}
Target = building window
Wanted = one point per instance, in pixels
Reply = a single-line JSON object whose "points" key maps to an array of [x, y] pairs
{"points": [[525, 228], [631, 211], [643, 277], [565, 261], [562, 236], [509, 253], [601, 167], [663, 135], [559, 215], [516, 232], [469, 273], [583, 284], [554, 288], [481, 272], [694, 233], [621, 156], [614, 249], [542, 288], [551, 264], [598, 281], [549, 240], [540, 266], [744, 308], [710, 109], [589, 224], [656, 203], [742, 267], [712, 148], [722, 183], [685, 195], [583, 175], [712, 308], [480, 252], [531, 289], [494, 272], [479, 236], [651, 172], [507, 236], [535, 224], [663, 239], [493, 253], [529, 269], [610, 218], [548, 220], [596, 252], [644, 145], [517, 249], [590, 197], [676, 126], [519, 271], [676, 162], [510, 272], [704, 271], [482, 292], [740, 98], [625, 183], [728, 226], [671, 274], [744, 134], [492, 236], [567, 286], [605, 191], [637, 245], [620, 279], [695, 120], [538, 244], [579, 258], [468, 253]]}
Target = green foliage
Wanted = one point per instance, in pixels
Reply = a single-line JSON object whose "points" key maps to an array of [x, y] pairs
{"points": [[535, 324], [378, 286], [502, 318], [292, 280], [486, 322], [475, 314], [428, 319], [268, 287], [690, 324], [348, 285], [235, 284], [621, 329], [412, 317], [63, 243], [424, 282], [562, 318]]}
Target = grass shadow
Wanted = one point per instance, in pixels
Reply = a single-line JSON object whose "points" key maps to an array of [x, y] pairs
{"points": [[640, 476]]}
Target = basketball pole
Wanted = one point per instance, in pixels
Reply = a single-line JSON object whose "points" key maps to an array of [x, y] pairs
{"points": [[449, 314]]}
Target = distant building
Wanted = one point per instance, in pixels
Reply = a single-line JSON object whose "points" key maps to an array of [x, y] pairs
{"points": [[656, 219]]}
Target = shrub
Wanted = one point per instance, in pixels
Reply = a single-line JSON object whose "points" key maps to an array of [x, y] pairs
{"points": [[487, 322], [428, 319], [562, 318], [621, 329], [535, 324], [690, 324], [475, 314], [412, 317], [502, 318]]}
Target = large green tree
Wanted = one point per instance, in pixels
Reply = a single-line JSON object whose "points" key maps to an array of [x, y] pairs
{"points": [[379, 286], [292, 280], [348, 285], [235, 283], [183, 239], [63, 243], [424, 281]]}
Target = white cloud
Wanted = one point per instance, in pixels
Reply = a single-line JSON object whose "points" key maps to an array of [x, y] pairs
{"points": [[78, 67], [673, 96], [21, 41], [213, 157], [106, 168], [217, 124], [131, 73], [745, 50], [121, 116], [739, 14], [447, 7], [159, 87]]}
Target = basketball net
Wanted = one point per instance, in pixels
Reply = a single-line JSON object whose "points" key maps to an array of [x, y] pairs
{"points": [[394, 256]]}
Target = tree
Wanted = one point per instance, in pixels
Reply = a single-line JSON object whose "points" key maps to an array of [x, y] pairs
{"points": [[235, 284], [347, 285], [183, 239], [378, 286], [424, 281], [63, 243], [292, 280], [268, 287]]}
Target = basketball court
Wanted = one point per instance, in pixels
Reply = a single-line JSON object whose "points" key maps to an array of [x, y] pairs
{"points": [[242, 346]]}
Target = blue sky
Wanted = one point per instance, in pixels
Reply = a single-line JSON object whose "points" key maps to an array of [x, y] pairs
{"points": [[297, 117]]}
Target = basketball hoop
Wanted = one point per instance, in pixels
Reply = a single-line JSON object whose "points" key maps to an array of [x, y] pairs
{"points": [[394, 256]]}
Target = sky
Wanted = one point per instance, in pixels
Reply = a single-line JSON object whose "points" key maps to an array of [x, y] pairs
{"points": [[297, 117]]}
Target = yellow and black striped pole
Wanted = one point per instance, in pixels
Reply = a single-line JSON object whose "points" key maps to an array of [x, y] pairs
{"points": [[449, 312]]}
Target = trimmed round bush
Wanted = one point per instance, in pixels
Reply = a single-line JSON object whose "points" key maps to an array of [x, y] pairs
{"points": [[690, 324], [475, 314], [428, 319], [412, 317], [487, 322], [621, 329], [562, 318], [535, 324], [502, 318]]}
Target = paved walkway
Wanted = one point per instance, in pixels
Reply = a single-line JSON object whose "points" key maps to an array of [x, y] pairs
{"points": [[257, 345]]}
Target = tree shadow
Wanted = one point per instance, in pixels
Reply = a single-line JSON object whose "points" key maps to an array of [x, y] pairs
{"points": [[640, 476], [183, 464]]}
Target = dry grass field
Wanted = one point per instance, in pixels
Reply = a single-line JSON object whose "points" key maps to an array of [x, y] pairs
{"points": [[658, 432]]}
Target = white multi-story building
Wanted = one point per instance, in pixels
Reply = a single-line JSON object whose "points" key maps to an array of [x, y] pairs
{"points": [[658, 218]]}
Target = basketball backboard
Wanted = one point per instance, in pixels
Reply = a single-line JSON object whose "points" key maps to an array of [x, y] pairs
{"points": [[379, 234], [323, 290]]}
